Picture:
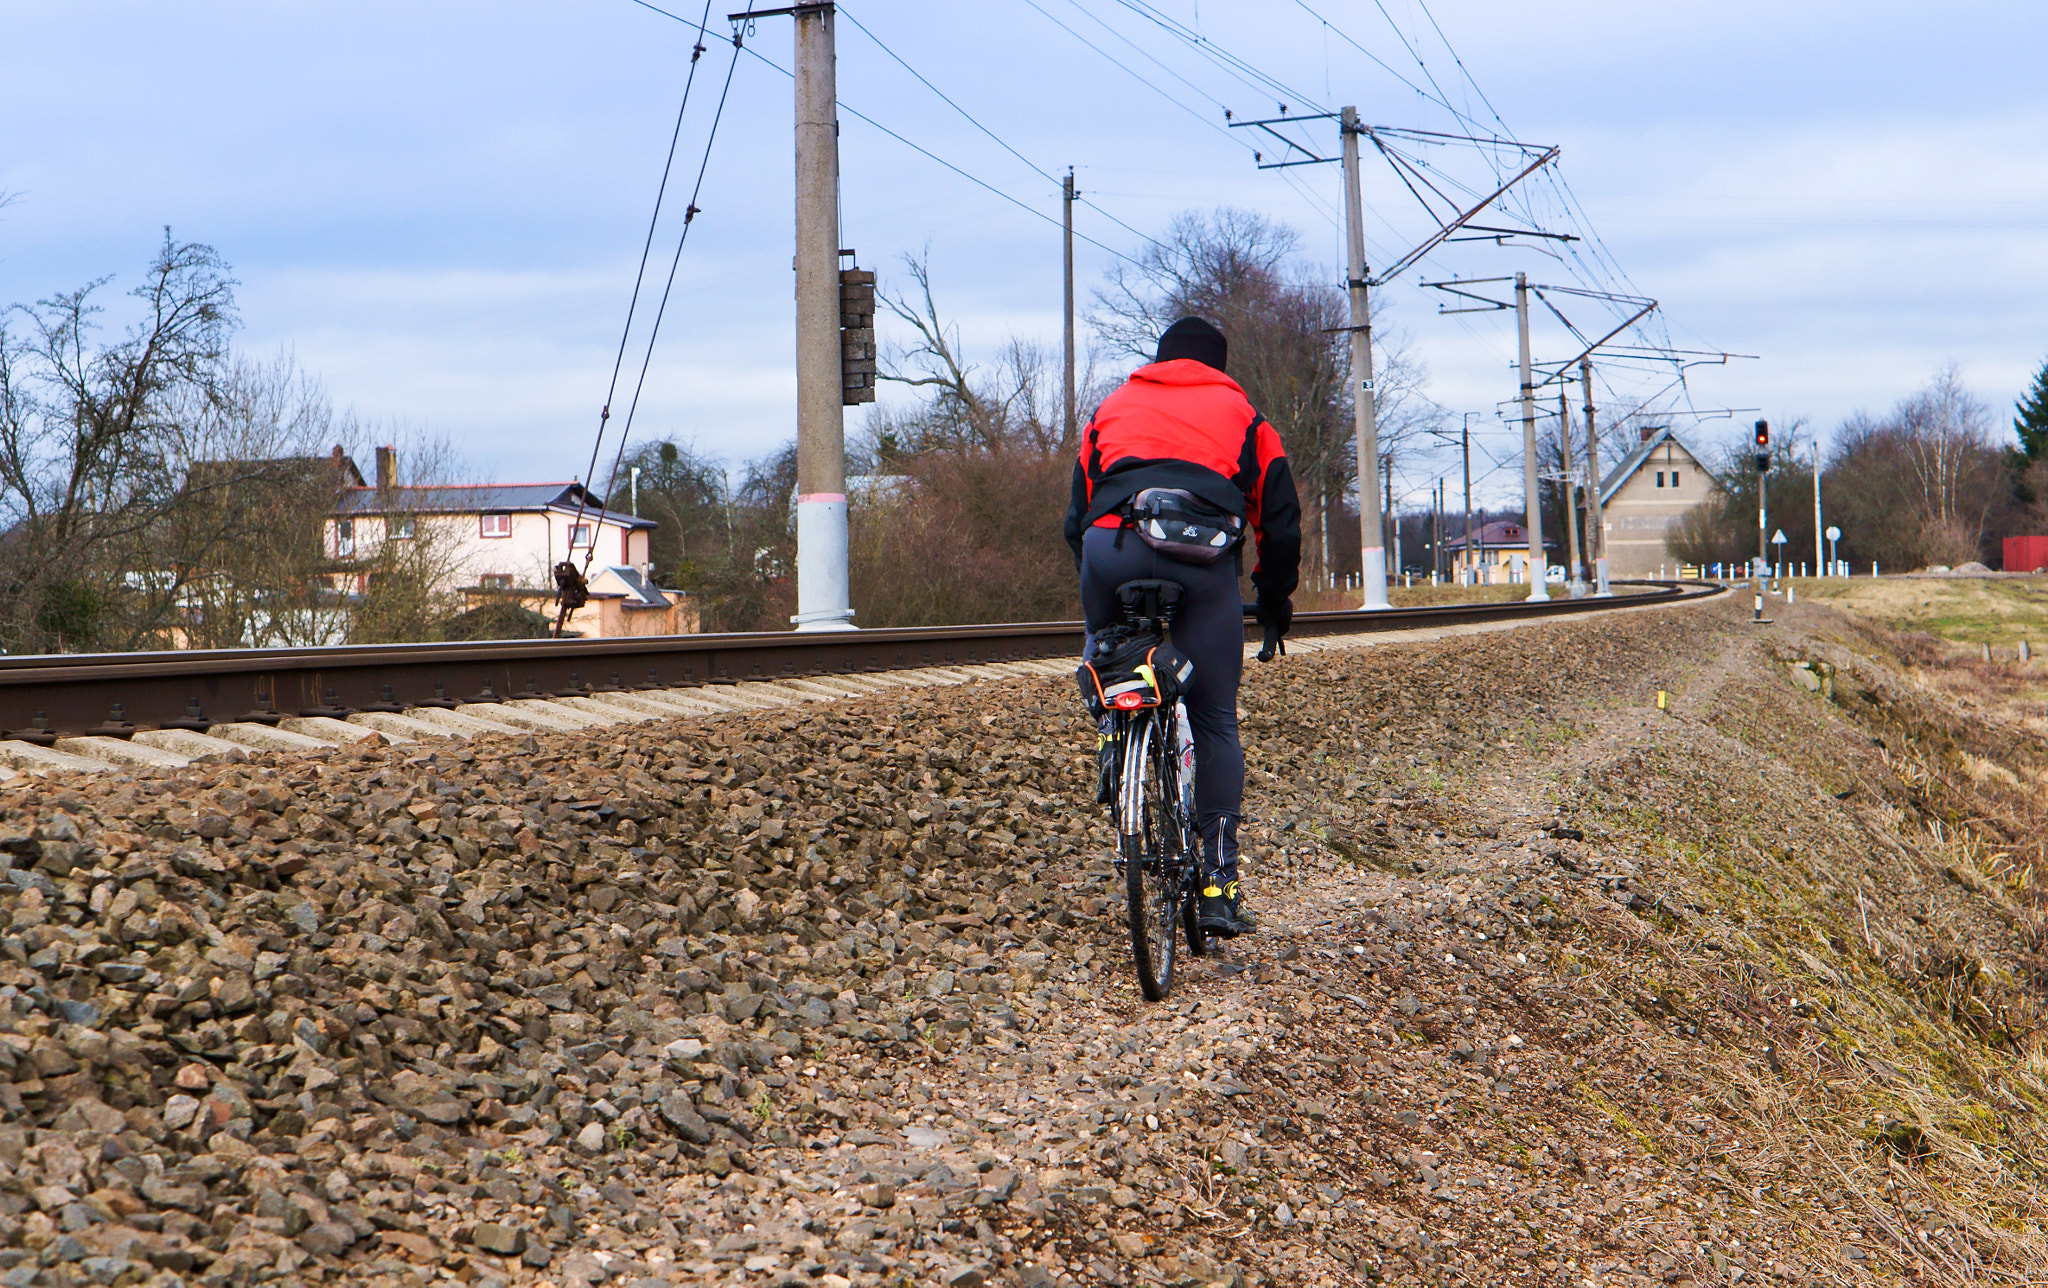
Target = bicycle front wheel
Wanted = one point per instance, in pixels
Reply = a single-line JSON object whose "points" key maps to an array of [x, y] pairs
{"points": [[1150, 843]]}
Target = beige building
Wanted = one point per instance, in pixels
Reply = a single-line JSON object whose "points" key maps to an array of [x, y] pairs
{"points": [[1499, 554], [1645, 495]]}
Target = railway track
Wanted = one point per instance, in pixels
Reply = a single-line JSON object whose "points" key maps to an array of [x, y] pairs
{"points": [[103, 711]]}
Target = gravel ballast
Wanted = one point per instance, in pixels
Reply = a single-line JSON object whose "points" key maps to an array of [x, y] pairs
{"points": [[838, 993]]}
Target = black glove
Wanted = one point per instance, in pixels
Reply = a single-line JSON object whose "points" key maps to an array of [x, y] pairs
{"points": [[1275, 612]]}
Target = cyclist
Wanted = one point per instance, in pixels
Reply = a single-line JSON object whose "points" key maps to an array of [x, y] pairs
{"points": [[1181, 423]]}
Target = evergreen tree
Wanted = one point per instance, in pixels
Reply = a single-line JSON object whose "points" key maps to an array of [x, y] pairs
{"points": [[2032, 422]]}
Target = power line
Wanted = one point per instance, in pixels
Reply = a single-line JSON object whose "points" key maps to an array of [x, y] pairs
{"points": [[1438, 98], [1240, 70], [647, 246], [654, 331], [999, 141], [927, 153], [944, 97]]}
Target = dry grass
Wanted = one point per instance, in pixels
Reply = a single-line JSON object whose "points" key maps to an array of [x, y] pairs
{"points": [[2000, 611], [1880, 960], [1427, 596]]}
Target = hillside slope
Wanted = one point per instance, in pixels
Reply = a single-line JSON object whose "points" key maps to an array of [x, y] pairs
{"points": [[1553, 988]]}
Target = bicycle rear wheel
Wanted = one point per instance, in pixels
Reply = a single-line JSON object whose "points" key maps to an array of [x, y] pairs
{"points": [[1151, 843]]}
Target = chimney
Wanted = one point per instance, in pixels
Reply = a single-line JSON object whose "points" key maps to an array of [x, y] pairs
{"points": [[387, 468], [1647, 431]]}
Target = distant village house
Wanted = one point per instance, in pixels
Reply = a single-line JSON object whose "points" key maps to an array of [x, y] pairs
{"points": [[1498, 553], [499, 544], [1644, 495]]}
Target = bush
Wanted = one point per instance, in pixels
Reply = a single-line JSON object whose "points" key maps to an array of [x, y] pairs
{"points": [[954, 537]]}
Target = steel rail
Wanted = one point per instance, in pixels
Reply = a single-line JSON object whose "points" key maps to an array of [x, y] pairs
{"points": [[118, 693]]}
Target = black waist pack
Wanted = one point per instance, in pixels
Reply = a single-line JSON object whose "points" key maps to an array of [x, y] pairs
{"points": [[1180, 524], [1129, 670]]}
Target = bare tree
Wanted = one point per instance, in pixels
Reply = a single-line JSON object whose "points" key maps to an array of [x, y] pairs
{"points": [[1288, 348], [158, 491], [1013, 407], [93, 438], [1926, 483]]}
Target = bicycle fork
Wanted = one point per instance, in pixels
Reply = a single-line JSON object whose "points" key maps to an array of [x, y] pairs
{"points": [[1130, 796]]}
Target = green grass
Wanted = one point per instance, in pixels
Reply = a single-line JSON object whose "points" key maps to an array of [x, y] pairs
{"points": [[2000, 611]]}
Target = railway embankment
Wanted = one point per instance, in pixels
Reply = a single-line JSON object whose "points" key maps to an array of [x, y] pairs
{"points": [[1555, 985]]}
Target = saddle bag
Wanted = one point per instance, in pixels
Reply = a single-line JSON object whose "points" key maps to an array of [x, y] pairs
{"points": [[1129, 670], [1180, 524]]}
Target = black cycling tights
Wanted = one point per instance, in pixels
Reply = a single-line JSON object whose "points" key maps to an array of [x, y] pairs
{"points": [[1209, 628]]}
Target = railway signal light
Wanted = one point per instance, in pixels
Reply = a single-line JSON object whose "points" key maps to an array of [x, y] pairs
{"points": [[1763, 447]]}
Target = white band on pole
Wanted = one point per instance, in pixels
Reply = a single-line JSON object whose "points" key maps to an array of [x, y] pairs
{"points": [[822, 596]]}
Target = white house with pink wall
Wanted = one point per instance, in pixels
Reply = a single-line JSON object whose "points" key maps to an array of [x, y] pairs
{"points": [[503, 540], [497, 536]]}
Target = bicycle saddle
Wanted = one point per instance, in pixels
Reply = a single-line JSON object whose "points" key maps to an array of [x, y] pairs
{"points": [[1154, 591]]}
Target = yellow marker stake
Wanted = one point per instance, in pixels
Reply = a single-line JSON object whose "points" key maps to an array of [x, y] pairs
{"points": [[1660, 700]]}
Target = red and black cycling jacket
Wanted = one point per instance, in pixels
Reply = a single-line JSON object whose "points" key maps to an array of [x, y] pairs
{"points": [[1185, 424]]}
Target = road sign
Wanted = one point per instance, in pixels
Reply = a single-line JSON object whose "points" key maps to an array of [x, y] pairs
{"points": [[1834, 533], [1778, 539]]}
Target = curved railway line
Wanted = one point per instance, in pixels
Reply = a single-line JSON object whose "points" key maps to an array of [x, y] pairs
{"points": [[101, 711]]}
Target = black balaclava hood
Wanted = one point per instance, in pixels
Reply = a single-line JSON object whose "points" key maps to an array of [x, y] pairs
{"points": [[1196, 339]]}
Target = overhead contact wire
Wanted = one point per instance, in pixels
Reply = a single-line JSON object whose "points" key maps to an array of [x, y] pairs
{"points": [[689, 219], [928, 154], [646, 248]]}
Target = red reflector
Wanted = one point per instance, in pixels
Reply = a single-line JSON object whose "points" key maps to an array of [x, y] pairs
{"points": [[1129, 701]]}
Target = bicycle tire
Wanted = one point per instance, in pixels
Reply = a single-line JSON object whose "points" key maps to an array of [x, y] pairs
{"points": [[1146, 824], [1147, 877]]}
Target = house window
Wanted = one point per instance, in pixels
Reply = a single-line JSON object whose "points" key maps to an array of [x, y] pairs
{"points": [[1674, 478], [399, 527], [344, 537], [579, 535], [497, 525], [1660, 478], [496, 580]]}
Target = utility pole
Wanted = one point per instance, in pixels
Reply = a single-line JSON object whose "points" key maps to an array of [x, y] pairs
{"points": [[1364, 400], [1577, 588], [1436, 550], [1532, 521], [822, 592], [1470, 559], [1596, 531], [1391, 519], [1071, 427], [1816, 505]]}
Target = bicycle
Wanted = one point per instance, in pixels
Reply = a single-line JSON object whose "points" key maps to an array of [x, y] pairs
{"points": [[1151, 748]]}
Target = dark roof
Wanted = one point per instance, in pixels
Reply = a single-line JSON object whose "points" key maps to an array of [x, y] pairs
{"points": [[337, 470], [481, 498], [644, 593], [1503, 534]]}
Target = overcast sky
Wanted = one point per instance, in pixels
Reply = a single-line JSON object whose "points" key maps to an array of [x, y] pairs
{"points": [[438, 208]]}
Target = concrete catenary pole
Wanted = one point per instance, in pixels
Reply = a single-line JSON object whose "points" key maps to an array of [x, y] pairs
{"points": [[1364, 400], [822, 593], [1596, 529], [1817, 564], [1532, 519], [1571, 494], [1471, 559], [1070, 427], [1763, 529]]}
